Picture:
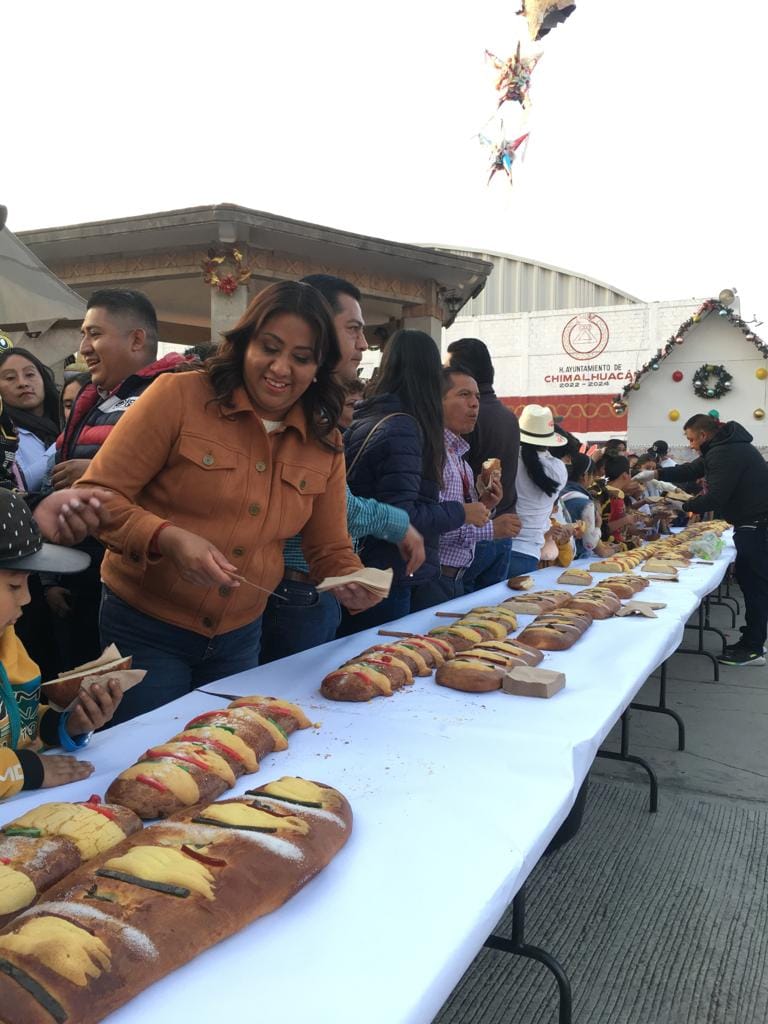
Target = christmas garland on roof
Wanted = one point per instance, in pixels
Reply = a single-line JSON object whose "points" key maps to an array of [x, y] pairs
{"points": [[705, 309]]}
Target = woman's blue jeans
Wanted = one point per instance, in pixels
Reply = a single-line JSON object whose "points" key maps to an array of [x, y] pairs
{"points": [[177, 660], [296, 618]]}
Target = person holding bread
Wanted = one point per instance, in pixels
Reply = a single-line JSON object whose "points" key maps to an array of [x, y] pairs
{"points": [[210, 473], [582, 508], [496, 436], [621, 524], [461, 401], [540, 478], [26, 726]]}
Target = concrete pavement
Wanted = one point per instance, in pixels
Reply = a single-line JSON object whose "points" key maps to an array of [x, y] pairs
{"points": [[657, 919]]}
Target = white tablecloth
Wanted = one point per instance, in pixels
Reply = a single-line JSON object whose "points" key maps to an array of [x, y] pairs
{"points": [[455, 796]]}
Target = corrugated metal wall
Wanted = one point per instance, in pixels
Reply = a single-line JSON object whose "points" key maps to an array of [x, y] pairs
{"points": [[522, 286]]}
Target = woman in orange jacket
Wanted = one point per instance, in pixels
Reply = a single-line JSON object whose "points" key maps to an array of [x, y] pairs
{"points": [[211, 472]]}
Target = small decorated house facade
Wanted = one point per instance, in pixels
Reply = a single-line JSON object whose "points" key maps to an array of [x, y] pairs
{"points": [[714, 363]]}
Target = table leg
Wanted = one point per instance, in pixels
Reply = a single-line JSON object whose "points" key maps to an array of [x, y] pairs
{"points": [[707, 627], [728, 594], [699, 626], [724, 597], [722, 602], [662, 709], [517, 944], [624, 755]]}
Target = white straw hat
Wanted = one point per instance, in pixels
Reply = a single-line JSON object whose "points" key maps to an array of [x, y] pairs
{"points": [[537, 426]]}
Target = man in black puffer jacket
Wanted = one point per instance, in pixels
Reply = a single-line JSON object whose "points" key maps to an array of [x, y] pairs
{"points": [[737, 490]]}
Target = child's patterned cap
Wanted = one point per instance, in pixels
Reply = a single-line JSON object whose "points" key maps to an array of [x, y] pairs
{"points": [[21, 543]]}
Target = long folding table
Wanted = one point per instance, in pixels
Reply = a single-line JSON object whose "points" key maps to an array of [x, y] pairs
{"points": [[456, 796]]}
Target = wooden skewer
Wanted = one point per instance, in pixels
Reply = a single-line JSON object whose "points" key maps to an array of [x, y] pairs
{"points": [[242, 579]]}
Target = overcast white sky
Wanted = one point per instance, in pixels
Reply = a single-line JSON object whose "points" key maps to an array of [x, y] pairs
{"points": [[645, 167]]}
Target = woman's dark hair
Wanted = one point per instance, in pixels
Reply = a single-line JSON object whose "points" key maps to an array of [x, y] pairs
{"points": [[410, 368], [615, 465], [570, 448], [580, 466], [323, 400], [50, 391], [529, 455], [81, 379]]}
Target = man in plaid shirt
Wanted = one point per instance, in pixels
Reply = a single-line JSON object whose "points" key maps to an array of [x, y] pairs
{"points": [[461, 402]]}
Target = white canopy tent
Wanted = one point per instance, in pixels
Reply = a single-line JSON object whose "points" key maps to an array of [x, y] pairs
{"points": [[37, 310]]}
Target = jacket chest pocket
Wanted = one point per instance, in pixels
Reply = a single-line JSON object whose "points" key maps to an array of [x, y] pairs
{"points": [[207, 471], [300, 487]]}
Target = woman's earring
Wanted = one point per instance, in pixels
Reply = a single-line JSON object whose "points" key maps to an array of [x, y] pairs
{"points": [[314, 380]]}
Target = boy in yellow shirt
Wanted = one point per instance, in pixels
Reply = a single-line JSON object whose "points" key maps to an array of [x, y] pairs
{"points": [[25, 725]]}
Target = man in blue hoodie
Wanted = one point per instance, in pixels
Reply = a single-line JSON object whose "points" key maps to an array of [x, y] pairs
{"points": [[737, 490]]}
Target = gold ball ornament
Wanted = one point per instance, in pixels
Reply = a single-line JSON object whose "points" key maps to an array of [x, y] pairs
{"points": [[673, 414], [759, 414], [761, 373]]}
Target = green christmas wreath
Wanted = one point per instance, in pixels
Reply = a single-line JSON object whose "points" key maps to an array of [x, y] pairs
{"points": [[712, 381]]}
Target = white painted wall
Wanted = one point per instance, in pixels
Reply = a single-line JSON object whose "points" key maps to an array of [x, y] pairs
{"points": [[713, 340], [530, 359]]}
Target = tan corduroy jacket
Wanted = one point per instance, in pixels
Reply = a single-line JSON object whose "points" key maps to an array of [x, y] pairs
{"points": [[174, 457]]}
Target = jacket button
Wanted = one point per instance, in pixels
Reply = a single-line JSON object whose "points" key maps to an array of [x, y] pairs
{"points": [[238, 552], [302, 484], [225, 591], [208, 622], [260, 467], [253, 510], [208, 459]]}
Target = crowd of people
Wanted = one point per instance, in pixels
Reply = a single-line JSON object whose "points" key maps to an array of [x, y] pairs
{"points": [[208, 493]]}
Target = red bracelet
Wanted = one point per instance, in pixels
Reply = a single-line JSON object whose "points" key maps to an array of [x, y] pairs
{"points": [[153, 545]]}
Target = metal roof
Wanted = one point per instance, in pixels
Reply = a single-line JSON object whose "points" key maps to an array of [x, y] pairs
{"points": [[520, 285], [31, 297]]}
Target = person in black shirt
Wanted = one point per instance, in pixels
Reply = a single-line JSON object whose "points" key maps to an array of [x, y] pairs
{"points": [[736, 475]]}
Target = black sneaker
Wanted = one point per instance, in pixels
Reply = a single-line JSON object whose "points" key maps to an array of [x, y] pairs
{"points": [[738, 656]]}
